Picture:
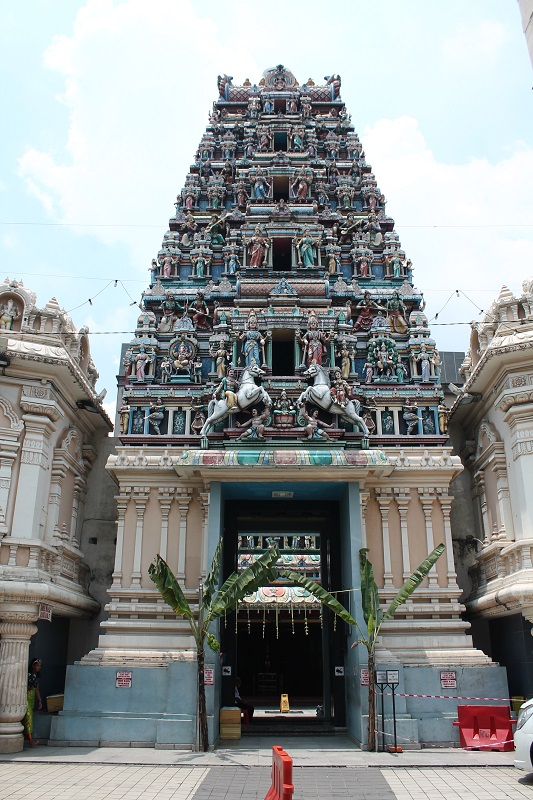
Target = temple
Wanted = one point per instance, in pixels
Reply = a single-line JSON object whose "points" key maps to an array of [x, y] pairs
{"points": [[282, 386]]}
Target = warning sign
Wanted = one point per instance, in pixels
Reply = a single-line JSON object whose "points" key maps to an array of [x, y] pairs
{"points": [[448, 680], [45, 612], [365, 677], [123, 680], [209, 676]]}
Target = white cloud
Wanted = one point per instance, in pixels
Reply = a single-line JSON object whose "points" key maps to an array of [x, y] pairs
{"points": [[465, 226], [480, 43], [9, 241], [139, 80]]}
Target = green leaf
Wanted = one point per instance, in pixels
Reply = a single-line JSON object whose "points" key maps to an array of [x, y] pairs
{"points": [[320, 593], [260, 573], [414, 580], [211, 582], [369, 590], [168, 586]]}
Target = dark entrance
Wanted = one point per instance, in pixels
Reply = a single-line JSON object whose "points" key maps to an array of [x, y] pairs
{"points": [[283, 353], [290, 646], [281, 254]]}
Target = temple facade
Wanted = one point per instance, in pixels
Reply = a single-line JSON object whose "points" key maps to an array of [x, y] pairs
{"points": [[53, 429], [282, 386]]}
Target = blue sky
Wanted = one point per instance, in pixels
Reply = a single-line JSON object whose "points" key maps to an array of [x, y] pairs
{"points": [[104, 104]]}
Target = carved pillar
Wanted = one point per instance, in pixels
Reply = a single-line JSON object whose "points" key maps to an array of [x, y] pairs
{"points": [[140, 497], [54, 499], [383, 496], [183, 496], [379, 429], [9, 446], [403, 498], [78, 489], [16, 630], [445, 501], [364, 496], [504, 502], [426, 498], [479, 480], [188, 412], [165, 501], [204, 501], [396, 418], [33, 477], [122, 501]]}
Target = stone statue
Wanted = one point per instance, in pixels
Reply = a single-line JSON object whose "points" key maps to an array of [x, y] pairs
{"points": [[166, 369], [315, 427], [313, 341], [410, 415], [340, 391], [198, 422], [261, 186], [156, 415], [255, 425], [254, 342], [217, 229], [142, 360], [124, 414], [258, 246], [425, 361], [200, 317], [183, 357], [344, 355], [365, 308], [8, 313], [219, 353], [444, 416], [396, 312], [284, 411], [233, 263], [305, 246]]}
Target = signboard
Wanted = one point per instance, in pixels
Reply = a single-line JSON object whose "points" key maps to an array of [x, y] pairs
{"points": [[339, 672], [381, 676], [226, 671], [123, 680], [365, 677], [284, 703], [448, 680], [209, 676], [45, 612], [393, 677]]}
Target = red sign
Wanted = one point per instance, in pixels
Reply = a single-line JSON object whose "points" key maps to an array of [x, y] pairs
{"points": [[209, 676], [448, 680], [123, 680], [45, 612], [365, 677]]}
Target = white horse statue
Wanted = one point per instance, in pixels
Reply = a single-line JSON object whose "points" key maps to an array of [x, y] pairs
{"points": [[319, 394], [247, 395]]}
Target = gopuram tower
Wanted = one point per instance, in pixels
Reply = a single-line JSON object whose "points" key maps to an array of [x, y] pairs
{"points": [[283, 385]]}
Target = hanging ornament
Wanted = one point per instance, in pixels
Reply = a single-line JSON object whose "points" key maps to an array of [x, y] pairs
{"points": [[277, 628], [334, 617], [305, 622], [236, 619], [248, 612], [292, 618], [224, 617], [264, 619], [321, 614]]}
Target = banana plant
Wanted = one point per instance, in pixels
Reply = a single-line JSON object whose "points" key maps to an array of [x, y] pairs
{"points": [[213, 603], [374, 618]]}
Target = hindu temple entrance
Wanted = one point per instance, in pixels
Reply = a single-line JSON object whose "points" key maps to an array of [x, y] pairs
{"points": [[282, 641]]}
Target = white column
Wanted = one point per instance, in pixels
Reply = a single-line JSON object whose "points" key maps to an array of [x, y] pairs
{"points": [[140, 497], [426, 498], [33, 477], [183, 496], [504, 502], [445, 501], [165, 501], [122, 501], [16, 630], [383, 496], [188, 411], [364, 497], [379, 429], [78, 488], [54, 500], [403, 498], [395, 415], [204, 500]]}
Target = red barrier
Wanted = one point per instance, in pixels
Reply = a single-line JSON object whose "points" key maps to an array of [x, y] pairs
{"points": [[485, 727], [282, 787]]}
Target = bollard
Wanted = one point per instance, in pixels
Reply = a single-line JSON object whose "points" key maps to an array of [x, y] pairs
{"points": [[282, 787], [485, 727]]}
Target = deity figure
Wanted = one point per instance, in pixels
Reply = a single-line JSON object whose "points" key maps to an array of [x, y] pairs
{"points": [[261, 186], [241, 195], [369, 371], [306, 107], [200, 263], [268, 106], [365, 308], [233, 263], [227, 172], [437, 364], [313, 341], [301, 183], [322, 194], [254, 342], [8, 313], [401, 371], [372, 229], [394, 265], [284, 411], [258, 246], [306, 249], [189, 227], [363, 262], [198, 422], [183, 355], [410, 415], [396, 312], [425, 361], [314, 427], [340, 391], [166, 369], [200, 316], [169, 307], [124, 414], [345, 356], [217, 229], [265, 137], [156, 415], [142, 360], [255, 425], [219, 353], [444, 416], [384, 363], [227, 388]]}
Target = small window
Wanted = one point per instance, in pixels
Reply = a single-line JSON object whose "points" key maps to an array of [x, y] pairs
{"points": [[281, 187], [281, 254], [283, 353], [280, 140]]}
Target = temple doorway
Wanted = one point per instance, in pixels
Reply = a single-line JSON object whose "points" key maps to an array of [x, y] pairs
{"points": [[281, 641]]}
